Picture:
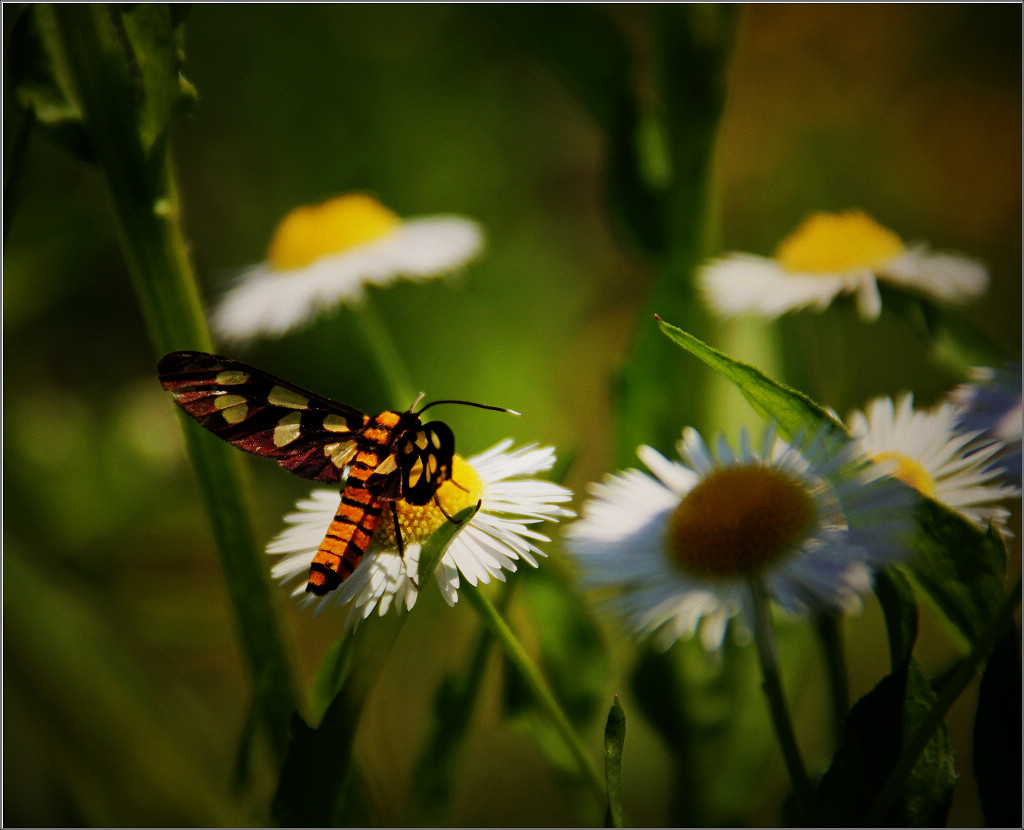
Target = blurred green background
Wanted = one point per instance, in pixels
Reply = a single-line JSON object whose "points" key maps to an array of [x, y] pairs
{"points": [[124, 693]]}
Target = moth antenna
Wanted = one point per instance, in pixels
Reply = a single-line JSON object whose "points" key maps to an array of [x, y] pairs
{"points": [[468, 403], [419, 398]]}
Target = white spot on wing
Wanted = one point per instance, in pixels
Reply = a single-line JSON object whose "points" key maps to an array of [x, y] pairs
{"points": [[415, 473], [279, 396], [231, 377], [335, 423], [233, 408], [287, 429], [341, 453], [388, 465]]}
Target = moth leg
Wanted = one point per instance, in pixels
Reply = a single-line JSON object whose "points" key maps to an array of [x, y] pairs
{"points": [[398, 531]]}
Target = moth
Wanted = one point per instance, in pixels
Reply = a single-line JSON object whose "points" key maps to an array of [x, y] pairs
{"points": [[382, 460]]}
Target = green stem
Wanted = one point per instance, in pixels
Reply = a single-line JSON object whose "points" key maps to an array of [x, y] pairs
{"points": [[538, 685], [147, 221], [830, 633], [393, 368], [947, 696], [764, 637]]}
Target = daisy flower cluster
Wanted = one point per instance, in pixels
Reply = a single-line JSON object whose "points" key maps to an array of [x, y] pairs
{"points": [[831, 254], [511, 499], [675, 548], [324, 255]]}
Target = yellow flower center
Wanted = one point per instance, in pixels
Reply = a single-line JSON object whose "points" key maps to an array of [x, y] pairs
{"points": [[314, 231], [418, 522], [738, 521], [827, 243], [909, 471]]}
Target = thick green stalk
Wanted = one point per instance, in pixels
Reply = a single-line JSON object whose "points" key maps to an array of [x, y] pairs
{"points": [[538, 686], [146, 216]]}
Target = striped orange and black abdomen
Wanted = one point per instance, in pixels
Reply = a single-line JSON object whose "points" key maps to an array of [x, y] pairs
{"points": [[349, 536]]}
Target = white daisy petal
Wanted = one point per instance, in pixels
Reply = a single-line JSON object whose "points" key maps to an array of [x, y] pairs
{"points": [[673, 475], [627, 539], [953, 278], [746, 284]]}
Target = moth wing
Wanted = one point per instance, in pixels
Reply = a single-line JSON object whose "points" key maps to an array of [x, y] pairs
{"points": [[307, 434]]}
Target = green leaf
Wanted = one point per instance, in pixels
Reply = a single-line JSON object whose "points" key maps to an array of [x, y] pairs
{"points": [[614, 738], [996, 752], [434, 547], [155, 37], [143, 49], [876, 729], [958, 568], [40, 82], [900, 608], [793, 411]]}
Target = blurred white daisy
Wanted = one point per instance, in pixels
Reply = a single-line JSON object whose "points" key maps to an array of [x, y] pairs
{"points": [[831, 254], [501, 479], [925, 449], [679, 548], [322, 255], [990, 405]]}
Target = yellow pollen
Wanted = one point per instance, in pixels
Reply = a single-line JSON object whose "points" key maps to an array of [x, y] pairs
{"points": [[827, 243], [314, 231], [419, 522], [738, 521], [909, 471]]}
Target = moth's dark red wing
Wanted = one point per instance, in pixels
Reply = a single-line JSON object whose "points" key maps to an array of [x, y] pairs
{"points": [[307, 434]]}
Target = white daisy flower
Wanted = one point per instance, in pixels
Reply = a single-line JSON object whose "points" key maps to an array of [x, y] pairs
{"points": [[681, 547], [322, 256], [485, 547], [832, 254], [990, 405], [925, 450]]}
